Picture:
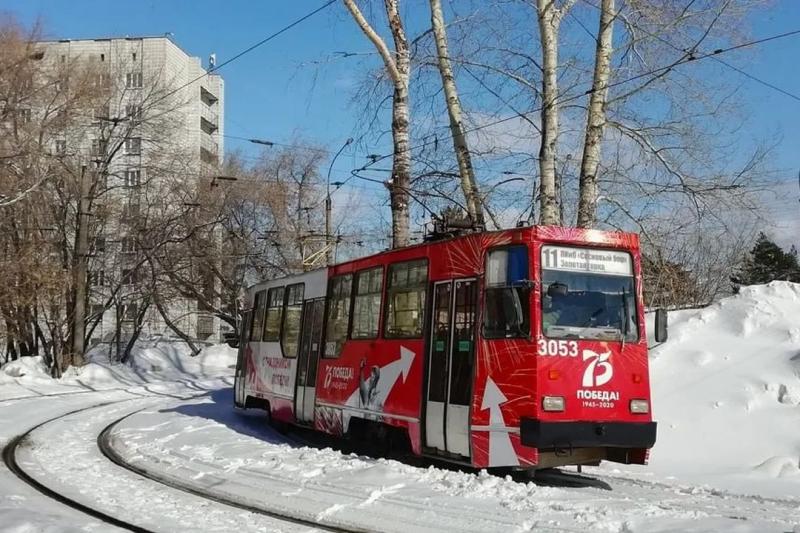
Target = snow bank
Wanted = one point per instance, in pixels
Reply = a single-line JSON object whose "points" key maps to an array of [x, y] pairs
{"points": [[150, 361], [726, 391]]}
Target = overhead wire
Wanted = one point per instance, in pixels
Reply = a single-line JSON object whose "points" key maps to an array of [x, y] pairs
{"points": [[687, 58], [718, 60], [249, 49]]}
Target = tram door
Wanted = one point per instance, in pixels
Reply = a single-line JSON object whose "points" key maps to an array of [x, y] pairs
{"points": [[450, 364], [307, 359], [241, 370]]}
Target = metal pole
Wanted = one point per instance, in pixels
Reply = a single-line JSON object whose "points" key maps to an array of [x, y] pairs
{"points": [[328, 207], [81, 267]]}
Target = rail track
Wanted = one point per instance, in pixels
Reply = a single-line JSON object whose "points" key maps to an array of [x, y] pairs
{"points": [[10, 459], [9, 454]]}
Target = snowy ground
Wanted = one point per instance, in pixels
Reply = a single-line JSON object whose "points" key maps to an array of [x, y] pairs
{"points": [[726, 393]]}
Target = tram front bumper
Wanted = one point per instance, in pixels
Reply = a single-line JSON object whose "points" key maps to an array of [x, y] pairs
{"points": [[543, 434]]}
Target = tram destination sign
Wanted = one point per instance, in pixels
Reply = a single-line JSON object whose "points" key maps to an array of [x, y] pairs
{"points": [[587, 260]]}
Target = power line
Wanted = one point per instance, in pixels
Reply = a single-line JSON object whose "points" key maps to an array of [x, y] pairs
{"points": [[248, 50], [732, 67], [757, 80], [687, 58]]}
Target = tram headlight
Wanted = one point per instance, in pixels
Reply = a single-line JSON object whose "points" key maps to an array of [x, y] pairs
{"points": [[553, 403], [640, 407]]}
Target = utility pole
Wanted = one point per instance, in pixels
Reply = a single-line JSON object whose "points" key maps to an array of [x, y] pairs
{"points": [[328, 207], [80, 272]]}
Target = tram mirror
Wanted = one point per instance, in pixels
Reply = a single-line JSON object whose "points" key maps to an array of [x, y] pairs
{"points": [[661, 325]]}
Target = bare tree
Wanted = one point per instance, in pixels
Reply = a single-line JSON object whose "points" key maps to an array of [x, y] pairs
{"points": [[469, 184], [549, 15], [398, 67], [596, 118]]}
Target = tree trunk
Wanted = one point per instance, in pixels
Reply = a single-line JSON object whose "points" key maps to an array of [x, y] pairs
{"points": [[81, 271], [137, 331], [398, 66], [401, 168], [469, 184], [596, 118], [549, 22], [174, 327]]}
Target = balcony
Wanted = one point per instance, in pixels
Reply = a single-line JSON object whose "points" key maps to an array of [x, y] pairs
{"points": [[208, 97], [208, 126]]}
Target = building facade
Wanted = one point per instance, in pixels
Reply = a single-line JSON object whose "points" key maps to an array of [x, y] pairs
{"points": [[157, 129]]}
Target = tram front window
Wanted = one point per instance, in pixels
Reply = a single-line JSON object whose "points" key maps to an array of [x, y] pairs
{"points": [[588, 294]]}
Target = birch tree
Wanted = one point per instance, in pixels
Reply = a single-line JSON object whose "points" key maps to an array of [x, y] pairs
{"points": [[469, 184], [398, 67], [549, 15], [596, 118]]}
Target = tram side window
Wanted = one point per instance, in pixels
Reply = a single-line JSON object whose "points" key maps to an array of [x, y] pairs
{"points": [[338, 314], [274, 315], [258, 316], [405, 299], [292, 311], [367, 304], [507, 299]]}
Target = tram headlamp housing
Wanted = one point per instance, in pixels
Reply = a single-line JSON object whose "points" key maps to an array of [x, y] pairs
{"points": [[553, 403], [640, 407]]}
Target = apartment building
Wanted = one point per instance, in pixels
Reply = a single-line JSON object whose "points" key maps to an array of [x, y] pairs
{"points": [[163, 121]]}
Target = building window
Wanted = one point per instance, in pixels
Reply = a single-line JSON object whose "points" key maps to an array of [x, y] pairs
{"points": [[405, 299], [99, 147], [99, 244], [131, 208], [61, 147], [258, 316], [292, 312], [132, 178], [338, 314], [274, 315], [133, 146], [205, 326], [130, 276], [63, 58], [130, 311], [102, 57], [133, 80], [97, 311], [103, 80], [133, 55], [129, 245], [102, 112], [133, 112], [97, 278], [367, 303]]}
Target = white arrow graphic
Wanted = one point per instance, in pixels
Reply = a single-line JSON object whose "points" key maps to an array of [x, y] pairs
{"points": [[388, 376], [501, 451]]}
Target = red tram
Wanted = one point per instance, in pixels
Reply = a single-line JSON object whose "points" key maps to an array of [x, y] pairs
{"points": [[517, 348]]}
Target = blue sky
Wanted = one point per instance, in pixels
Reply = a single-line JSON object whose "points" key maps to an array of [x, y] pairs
{"points": [[278, 93]]}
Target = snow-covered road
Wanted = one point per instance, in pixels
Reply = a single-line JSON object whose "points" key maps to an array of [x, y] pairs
{"points": [[71, 425], [233, 454], [182, 432], [726, 391]]}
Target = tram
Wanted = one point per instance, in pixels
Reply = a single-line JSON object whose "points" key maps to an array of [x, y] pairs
{"points": [[522, 348]]}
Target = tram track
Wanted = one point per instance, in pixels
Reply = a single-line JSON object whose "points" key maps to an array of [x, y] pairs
{"points": [[104, 444], [101, 436], [26, 439], [9, 454]]}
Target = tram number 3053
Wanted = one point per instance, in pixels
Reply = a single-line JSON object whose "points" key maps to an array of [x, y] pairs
{"points": [[553, 348]]}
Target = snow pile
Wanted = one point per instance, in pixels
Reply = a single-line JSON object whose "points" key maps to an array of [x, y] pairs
{"points": [[149, 362], [726, 391]]}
